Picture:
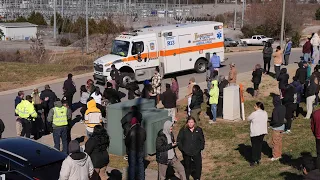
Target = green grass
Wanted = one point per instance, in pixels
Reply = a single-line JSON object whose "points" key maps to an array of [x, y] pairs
{"points": [[14, 74], [225, 140]]}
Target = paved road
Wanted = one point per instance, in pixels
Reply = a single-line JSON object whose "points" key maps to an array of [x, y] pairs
{"points": [[244, 62]]}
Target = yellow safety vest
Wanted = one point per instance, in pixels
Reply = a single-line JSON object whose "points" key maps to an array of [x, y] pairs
{"points": [[60, 116], [25, 109]]}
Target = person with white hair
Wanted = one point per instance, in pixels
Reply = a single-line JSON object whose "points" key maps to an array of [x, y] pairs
{"points": [[315, 42]]}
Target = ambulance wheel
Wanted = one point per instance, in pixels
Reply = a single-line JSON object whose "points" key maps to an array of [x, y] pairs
{"points": [[126, 78], [201, 66]]}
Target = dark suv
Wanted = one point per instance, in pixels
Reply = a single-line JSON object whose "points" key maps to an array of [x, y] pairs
{"points": [[26, 159]]}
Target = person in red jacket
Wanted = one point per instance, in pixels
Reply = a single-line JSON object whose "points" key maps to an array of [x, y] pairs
{"points": [[306, 50], [315, 127]]}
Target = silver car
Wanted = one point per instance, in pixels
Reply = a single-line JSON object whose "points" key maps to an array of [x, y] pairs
{"points": [[228, 42]]}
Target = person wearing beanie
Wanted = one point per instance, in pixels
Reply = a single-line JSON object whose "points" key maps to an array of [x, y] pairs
{"points": [[134, 142], [78, 165]]}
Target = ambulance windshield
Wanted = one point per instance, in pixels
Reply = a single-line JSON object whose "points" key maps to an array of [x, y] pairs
{"points": [[120, 48]]}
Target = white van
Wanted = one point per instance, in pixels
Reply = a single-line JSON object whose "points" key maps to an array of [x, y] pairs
{"points": [[172, 48]]}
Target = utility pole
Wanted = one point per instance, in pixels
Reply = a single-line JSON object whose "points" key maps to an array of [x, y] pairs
{"points": [[235, 19], [243, 8], [87, 27], [54, 20], [61, 8], [167, 12], [235, 15], [282, 23]]}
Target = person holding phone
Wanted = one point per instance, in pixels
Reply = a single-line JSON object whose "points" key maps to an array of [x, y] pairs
{"points": [[166, 154]]}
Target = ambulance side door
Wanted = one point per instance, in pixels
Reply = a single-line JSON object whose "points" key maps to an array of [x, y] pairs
{"points": [[153, 59], [187, 55], [171, 54]]}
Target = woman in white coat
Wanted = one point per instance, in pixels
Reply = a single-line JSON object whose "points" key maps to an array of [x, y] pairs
{"points": [[315, 42], [258, 129]]}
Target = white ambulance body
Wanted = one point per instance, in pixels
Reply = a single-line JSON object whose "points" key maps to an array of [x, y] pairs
{"points": [[172, 48]]}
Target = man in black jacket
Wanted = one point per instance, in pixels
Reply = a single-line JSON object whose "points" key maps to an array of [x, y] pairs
{"points": [[301, 73], [69, 89], [48, 98], [134, 141], [191, 142], [168, 99], [288, 102], [110, 94], [166, 154], [277, 124], [114, 74], [223, 83], [126, 120], [283, 80]]}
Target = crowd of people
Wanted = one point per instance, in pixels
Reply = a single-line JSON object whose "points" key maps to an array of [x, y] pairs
{"points": [[43, 113]]}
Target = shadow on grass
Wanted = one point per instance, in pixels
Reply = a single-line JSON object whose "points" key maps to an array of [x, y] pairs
{"points": [[271, 74], [246, 151], [250, 91], [296, 163], [291, 176]]}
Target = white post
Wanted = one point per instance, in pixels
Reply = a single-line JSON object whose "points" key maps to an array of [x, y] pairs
{"points": [[235, 19]]}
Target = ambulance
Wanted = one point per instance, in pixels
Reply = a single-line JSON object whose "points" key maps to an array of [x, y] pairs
{"points": [[172, 48]]}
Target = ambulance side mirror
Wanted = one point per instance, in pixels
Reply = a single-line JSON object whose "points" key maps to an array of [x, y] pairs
{"points": [[139, 57]]}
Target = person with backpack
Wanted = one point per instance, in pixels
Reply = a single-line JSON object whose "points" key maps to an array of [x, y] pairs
{"points": [[2, 128], [267, 54], [165, 153]]}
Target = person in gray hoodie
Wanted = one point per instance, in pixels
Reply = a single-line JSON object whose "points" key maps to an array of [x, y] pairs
{"points": [[78, 165], [165, 153]]}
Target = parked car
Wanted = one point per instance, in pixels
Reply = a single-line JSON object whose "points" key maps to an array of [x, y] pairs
{"points": [[22, 158], [256, 40], [228, 42]]}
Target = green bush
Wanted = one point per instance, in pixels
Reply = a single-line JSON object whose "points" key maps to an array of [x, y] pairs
{"points": [[296, 39], [37, 18], [65, 42], [317, 14]]}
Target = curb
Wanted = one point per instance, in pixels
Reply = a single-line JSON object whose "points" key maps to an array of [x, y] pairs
{"points": [[43, 84]]}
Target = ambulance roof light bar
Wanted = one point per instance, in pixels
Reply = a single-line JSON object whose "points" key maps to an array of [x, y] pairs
{"points": [[129, 33]]}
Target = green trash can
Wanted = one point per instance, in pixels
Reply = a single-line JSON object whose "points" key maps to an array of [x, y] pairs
{"points": [[152, 122], [116, 112]]}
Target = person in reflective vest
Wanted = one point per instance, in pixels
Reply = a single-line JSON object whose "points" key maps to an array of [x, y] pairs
{"points": [[59, 116], [27, 113]]}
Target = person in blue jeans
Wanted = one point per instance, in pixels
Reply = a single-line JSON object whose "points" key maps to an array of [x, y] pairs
{"points": [[134, 142], [59, 116], [213, 101]]}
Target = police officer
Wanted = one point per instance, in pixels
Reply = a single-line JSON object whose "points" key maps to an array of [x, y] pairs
{"points": [[27, 113], [59, 116]]}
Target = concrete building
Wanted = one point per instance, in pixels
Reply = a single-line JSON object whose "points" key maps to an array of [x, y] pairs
{"points": [[18, 31]]}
